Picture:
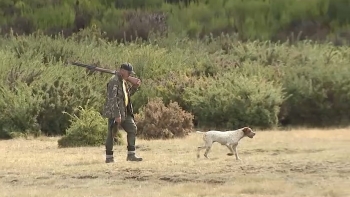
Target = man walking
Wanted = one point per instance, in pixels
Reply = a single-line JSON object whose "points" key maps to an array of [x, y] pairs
{"points": [[119, 111]]}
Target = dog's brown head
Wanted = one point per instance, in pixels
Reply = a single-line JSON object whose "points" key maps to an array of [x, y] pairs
{"points": [[248, 132]]}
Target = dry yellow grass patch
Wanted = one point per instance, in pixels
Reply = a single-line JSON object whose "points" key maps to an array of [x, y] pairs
{"points": [[276, 163]]}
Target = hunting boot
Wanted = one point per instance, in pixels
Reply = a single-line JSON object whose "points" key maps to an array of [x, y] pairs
{"points": [[132, 157], [109, 157]]}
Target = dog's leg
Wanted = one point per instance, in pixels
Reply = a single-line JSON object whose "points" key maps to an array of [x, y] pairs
{"points": [[207, 146], [207, 151], [230, 148], [207, 143], [234, 147], [199, 149]]}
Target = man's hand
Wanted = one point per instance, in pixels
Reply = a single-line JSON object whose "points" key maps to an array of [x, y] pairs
{"points": [[134, 81], [138, 83], [118, 120]]}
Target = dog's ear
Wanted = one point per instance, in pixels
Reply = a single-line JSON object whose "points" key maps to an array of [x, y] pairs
{"points": [[246, 129]]}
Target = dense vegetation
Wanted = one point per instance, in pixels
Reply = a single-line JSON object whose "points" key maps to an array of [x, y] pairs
{"points": [[224, 83], [126, 19], [223, 80]]}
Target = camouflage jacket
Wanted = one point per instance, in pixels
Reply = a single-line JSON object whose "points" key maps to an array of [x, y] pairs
{"points": [[114, 106]]}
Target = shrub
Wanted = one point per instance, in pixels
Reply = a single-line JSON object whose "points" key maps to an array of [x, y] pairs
{"points": [[19, 110], [234, 100], [169, 88], [157, 121], [62, 94], [87, 129], [319, 95]]}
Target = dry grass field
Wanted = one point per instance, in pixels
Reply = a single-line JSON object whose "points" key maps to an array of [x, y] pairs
{"points": [[275, 163]]}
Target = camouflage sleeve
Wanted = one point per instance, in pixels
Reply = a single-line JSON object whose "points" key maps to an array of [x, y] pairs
{"points": [[112, 98], [133, 90]]}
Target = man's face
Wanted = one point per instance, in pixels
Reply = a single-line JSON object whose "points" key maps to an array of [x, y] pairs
{"points": [[124, 73]]}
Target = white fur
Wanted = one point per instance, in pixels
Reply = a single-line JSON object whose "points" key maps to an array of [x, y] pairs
{"points": [[228, 138]]}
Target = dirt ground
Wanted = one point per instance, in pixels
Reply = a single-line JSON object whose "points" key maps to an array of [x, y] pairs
{"points": [[275, 163]]}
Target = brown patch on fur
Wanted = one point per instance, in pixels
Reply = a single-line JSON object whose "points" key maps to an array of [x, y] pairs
{"points": [[248, 132]]}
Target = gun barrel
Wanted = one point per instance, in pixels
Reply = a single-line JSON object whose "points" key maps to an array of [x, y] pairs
{"points": [[91, 67]]}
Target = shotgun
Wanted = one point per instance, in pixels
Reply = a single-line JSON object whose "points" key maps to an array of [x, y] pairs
{"points": [[94, 68], [131, 79]]}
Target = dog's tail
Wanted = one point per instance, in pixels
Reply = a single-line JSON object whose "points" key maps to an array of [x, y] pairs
{"points": [[200, 132]]}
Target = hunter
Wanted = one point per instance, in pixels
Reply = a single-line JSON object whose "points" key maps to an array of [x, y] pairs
{"points": [[119, 111]]}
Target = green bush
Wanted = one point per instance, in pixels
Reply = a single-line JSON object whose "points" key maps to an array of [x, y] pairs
{"points": [[87, 129], [63, 94], [233, 100], [319, 94], [19, 110], [60, 87]]}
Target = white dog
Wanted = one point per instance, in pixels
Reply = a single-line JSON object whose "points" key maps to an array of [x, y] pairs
{"points": [[228, 138]]}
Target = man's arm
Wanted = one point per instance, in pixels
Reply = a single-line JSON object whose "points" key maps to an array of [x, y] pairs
{"points": [[133, 90], [135, 85], [112, 98]]}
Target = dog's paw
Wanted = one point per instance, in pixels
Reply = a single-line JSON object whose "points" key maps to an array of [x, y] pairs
{"points": [[230, 154]]}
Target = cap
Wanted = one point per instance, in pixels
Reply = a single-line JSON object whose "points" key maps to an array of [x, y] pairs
{"points": [[128, 67]]}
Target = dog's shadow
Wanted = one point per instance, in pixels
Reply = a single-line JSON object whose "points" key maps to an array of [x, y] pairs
{"points": [[215, 158], [208, 159], [211, 158]]}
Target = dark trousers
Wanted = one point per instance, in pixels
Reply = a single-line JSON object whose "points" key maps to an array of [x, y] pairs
{"points": [[129, 127]]}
